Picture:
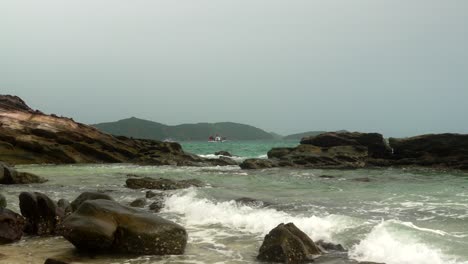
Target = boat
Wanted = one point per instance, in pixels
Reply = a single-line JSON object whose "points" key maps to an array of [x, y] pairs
{"points": [[216, 139]]}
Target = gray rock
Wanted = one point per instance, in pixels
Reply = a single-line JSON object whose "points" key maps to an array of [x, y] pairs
{"points": [[42, 214], [88, 196]]}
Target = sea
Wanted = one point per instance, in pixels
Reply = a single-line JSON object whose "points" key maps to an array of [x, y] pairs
{"points": [[391, 215]]}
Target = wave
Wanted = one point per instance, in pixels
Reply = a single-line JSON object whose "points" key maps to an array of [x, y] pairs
{"points": [[236, 158], [204, 212], [385, 244]]}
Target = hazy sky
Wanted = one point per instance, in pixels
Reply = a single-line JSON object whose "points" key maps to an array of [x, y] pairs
{"points": [[399, 67]]}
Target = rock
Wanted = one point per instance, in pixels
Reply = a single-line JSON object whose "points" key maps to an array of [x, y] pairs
{"points": [[150, 194], [65, 206], [105, 225], [435, 150], [251, 202], [363, 179], [42, 214], [88, 196], [3, 202], [11, 226], [375, 143], [161, 183], [223, 153], [32, 137], [8, 175], [326, 246], [287, 244], [55, 261], [157, 205], [327, 176], [141, 202], [252, 164]]}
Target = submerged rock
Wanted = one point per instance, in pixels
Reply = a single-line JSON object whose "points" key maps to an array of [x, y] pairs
{"points": [[11, 226], [42, 214], [140, 202], [104, 225], [88, 196], [223, 153], [251, 202], [8, 175], [287, 244], [161, 183], [327, 246]]}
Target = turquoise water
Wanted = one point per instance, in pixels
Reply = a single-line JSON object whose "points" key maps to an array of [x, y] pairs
{"points": [[399, 216]]}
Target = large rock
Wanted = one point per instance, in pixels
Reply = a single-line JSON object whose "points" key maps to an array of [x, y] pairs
{"points": [[42, 214], [437, 150], [288, 244], [11, 226], [9, 175], [88, 196], [161, 183], [32, 137], [375, 143], [252, 164], [104, 225]]}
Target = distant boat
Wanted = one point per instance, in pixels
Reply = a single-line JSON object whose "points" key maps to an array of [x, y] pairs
{"points": [[216, 139]]}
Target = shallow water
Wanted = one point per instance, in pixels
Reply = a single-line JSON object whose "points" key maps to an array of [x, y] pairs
{"points": [[399, 216]]}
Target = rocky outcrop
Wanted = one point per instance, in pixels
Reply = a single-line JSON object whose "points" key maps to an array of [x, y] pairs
{"points": [[161, 183], [436, 150], [288, 244], [11, 226], [32, 137], [104, 225], [88, 196], [357, 150], [42, 214], [9, 175]]}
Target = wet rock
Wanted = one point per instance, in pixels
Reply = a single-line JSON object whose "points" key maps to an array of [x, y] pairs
{"points": [[326, 246], [88, 196], [157, 205], [150, 194], [327, 176], [3, 202], [141, 202], [104, 225], [65, 206], [223, 153], [9, 175], [161, 183], [252, 164], [41, 213], [251, 202], [363, 179], [55, 261], [11, 226], [287, 244]]}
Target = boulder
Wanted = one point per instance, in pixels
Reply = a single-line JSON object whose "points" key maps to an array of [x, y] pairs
{"points": [[140, 202], [88, 196], [65, 206], [223, 153], [375, 143], [42, 214], [11, 226], [105, 225], [252, 164], [3, 202], [161, 183], [288, 244], [9, 175]]}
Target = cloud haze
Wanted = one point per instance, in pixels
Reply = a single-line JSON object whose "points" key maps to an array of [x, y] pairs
{"points": [[393, 66]]}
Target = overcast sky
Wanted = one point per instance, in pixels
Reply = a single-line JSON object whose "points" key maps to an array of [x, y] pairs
{"points": [[399, 67]]}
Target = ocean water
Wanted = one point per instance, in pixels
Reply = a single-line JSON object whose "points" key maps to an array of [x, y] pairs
{"points": [[400, 216]]}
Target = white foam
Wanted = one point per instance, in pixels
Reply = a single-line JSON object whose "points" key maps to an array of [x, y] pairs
{"points": [[383, 245], [203, 212], [213, 156]]}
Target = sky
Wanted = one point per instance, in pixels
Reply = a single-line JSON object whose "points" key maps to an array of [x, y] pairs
{"points": [[397, 67]]}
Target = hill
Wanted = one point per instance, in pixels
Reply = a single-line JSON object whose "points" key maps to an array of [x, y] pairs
{"points": [[139, 128], [299, 136]]}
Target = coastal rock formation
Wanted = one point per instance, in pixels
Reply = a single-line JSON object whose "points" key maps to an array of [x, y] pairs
{"points": [[288, 244], [89, 196], [11, 226], [104, 225], [161, 183], [436, 150], [32, 137], [9, 175], [357, 150], [41, 213]]}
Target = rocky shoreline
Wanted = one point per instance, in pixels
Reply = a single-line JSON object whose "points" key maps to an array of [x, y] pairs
{"points": [[347, 150]]}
